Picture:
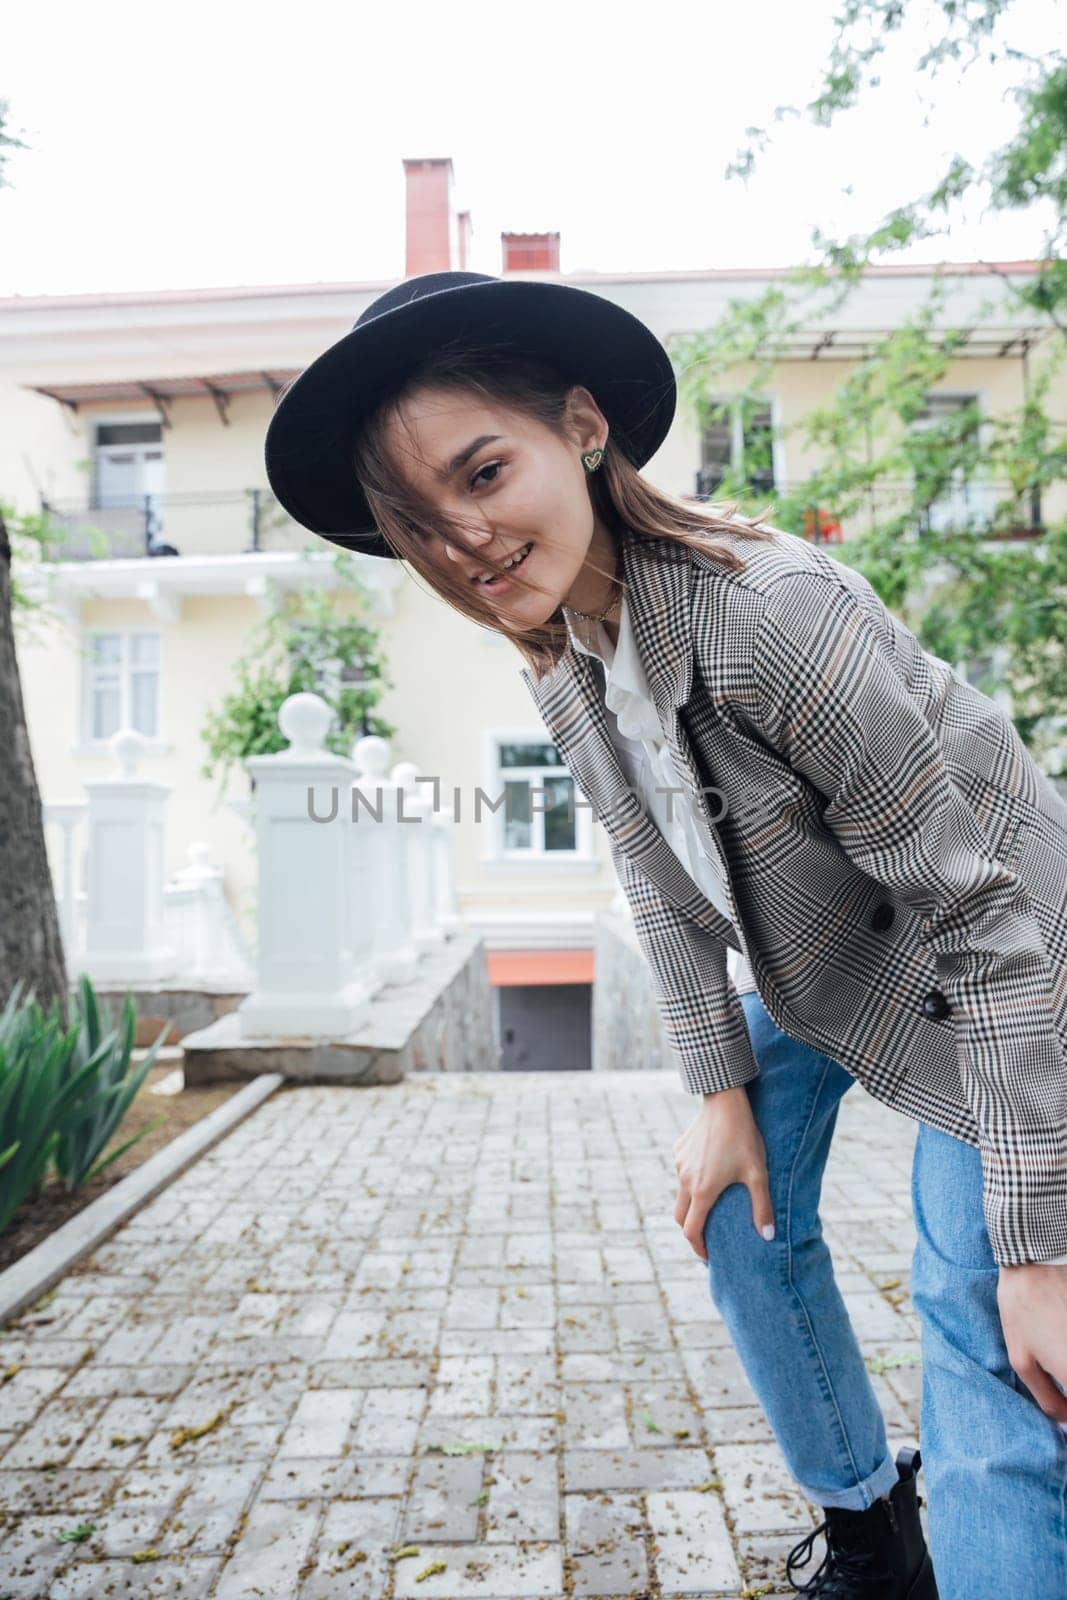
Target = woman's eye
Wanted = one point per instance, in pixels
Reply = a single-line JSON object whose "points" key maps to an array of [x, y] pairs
{"points": [[493, 466]]}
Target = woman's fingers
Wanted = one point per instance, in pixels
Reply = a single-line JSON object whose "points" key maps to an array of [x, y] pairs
{"points": [[722, 1146], [694, 1217], [691, 1210], [759, 1193], [1051, 1399], [684, 1213]]}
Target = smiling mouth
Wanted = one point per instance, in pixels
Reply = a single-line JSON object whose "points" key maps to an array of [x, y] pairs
{"points": [[498, 581]]}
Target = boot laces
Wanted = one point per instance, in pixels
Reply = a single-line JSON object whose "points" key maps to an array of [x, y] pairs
{"points": [[839, 1567]]}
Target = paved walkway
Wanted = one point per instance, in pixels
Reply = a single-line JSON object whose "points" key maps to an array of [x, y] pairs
{"points": [[292, 1365]]}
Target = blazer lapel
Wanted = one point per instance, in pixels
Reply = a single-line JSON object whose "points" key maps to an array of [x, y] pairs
{"points": [[571, 705]]}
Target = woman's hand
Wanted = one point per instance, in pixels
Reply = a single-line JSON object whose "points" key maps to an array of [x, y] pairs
{"points": [[1033, 1313], [722, 1145]]}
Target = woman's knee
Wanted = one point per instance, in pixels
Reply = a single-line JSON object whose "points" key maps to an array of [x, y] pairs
{"points": [[738, 1255]]}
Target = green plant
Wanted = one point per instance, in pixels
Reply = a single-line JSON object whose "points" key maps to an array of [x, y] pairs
{"points": [[245, 723], [35, 1092], [35, 537], [63, 1092], [91, 1117], [971, 591], [295, 649], [991, 587]]}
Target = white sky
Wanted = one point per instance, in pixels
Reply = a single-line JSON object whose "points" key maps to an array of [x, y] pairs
{"points": [[236, 143]]}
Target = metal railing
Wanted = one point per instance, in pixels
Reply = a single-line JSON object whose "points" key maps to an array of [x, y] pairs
{"points": [[239, 521], [985, 509], [213, 522]]}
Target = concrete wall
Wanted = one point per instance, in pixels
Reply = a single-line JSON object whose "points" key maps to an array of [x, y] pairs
{"points": [[627, 1032]]}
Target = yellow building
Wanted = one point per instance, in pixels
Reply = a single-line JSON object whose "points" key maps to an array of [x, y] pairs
{"points": [[145, 414]]}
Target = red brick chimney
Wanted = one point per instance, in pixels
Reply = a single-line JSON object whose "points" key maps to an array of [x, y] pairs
{"points": [[530, 252], [465, 232], [431, 238]]}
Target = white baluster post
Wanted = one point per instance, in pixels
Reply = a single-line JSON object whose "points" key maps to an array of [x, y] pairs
{"points": [[203, 927], [67, 814], [305, 985], [361, 872], [446, 906], [416, 825], [389, 904], [125, 934]]}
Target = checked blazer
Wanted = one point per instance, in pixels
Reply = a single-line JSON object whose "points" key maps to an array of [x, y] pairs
{"points": [[895, 862]]}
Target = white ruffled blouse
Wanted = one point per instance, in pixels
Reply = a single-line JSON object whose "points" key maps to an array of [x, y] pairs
{"points": [[639, 740]]}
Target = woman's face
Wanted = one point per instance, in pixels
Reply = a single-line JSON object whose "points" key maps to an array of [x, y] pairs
{"points": [[516, 487]]}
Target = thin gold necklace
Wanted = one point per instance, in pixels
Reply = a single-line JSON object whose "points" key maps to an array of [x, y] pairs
{"points": [[599, 616]]}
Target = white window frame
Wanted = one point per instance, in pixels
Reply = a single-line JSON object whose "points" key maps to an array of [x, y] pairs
{"points": [[773, 402], [110, 419], [979, 488], [87, 744], [491, 824]]}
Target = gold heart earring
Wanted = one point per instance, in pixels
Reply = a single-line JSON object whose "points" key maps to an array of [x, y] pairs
{"points": [[591, 459]]}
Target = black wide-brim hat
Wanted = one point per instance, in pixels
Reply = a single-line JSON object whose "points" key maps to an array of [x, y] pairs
{"points": [[588, 339]]}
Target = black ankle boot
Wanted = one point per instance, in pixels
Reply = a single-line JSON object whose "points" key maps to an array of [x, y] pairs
{"points": [[877, 1554]]}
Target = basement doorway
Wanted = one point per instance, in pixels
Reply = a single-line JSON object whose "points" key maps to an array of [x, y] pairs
{"points": [[544, 1009]]}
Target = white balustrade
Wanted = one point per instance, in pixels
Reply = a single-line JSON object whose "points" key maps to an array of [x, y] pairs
{"points": [[356, 881], [360, 897], [125, 932], [447, 913], [306, 984], [202, 927], [416, 842], [386, 893], [68, 815]]}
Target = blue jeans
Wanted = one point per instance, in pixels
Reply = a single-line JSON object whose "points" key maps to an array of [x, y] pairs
{"points": [[995, 1464]]}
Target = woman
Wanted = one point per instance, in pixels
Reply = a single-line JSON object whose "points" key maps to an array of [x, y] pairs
{"points": [[859, 826]]}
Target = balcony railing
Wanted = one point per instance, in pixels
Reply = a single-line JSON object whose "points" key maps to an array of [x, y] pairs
{"points": [[989, 510], [238, 521], [215, 522]]}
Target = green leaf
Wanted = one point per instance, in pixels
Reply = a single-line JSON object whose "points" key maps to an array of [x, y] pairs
{"points": [[76, 1535], [114, 1156]]}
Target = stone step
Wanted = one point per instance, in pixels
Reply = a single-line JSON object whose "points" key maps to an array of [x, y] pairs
{"points": [[442, 1021]]}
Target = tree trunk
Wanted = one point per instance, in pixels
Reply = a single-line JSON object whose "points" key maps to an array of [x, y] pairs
{"points": [[30, 944]]}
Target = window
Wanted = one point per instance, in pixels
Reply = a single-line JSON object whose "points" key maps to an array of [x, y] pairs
{"points": [[121, 683], [129, 469], [738, 442], [537, 812], [967, 500]]}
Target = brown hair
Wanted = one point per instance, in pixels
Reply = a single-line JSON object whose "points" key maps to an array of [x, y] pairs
{"points": [[626, 503]]}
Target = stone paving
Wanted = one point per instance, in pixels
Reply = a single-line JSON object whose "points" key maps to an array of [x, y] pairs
{"points": [[437, 1339]]}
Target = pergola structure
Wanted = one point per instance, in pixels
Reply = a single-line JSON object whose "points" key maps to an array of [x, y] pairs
{"points": [[220, 387]]}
